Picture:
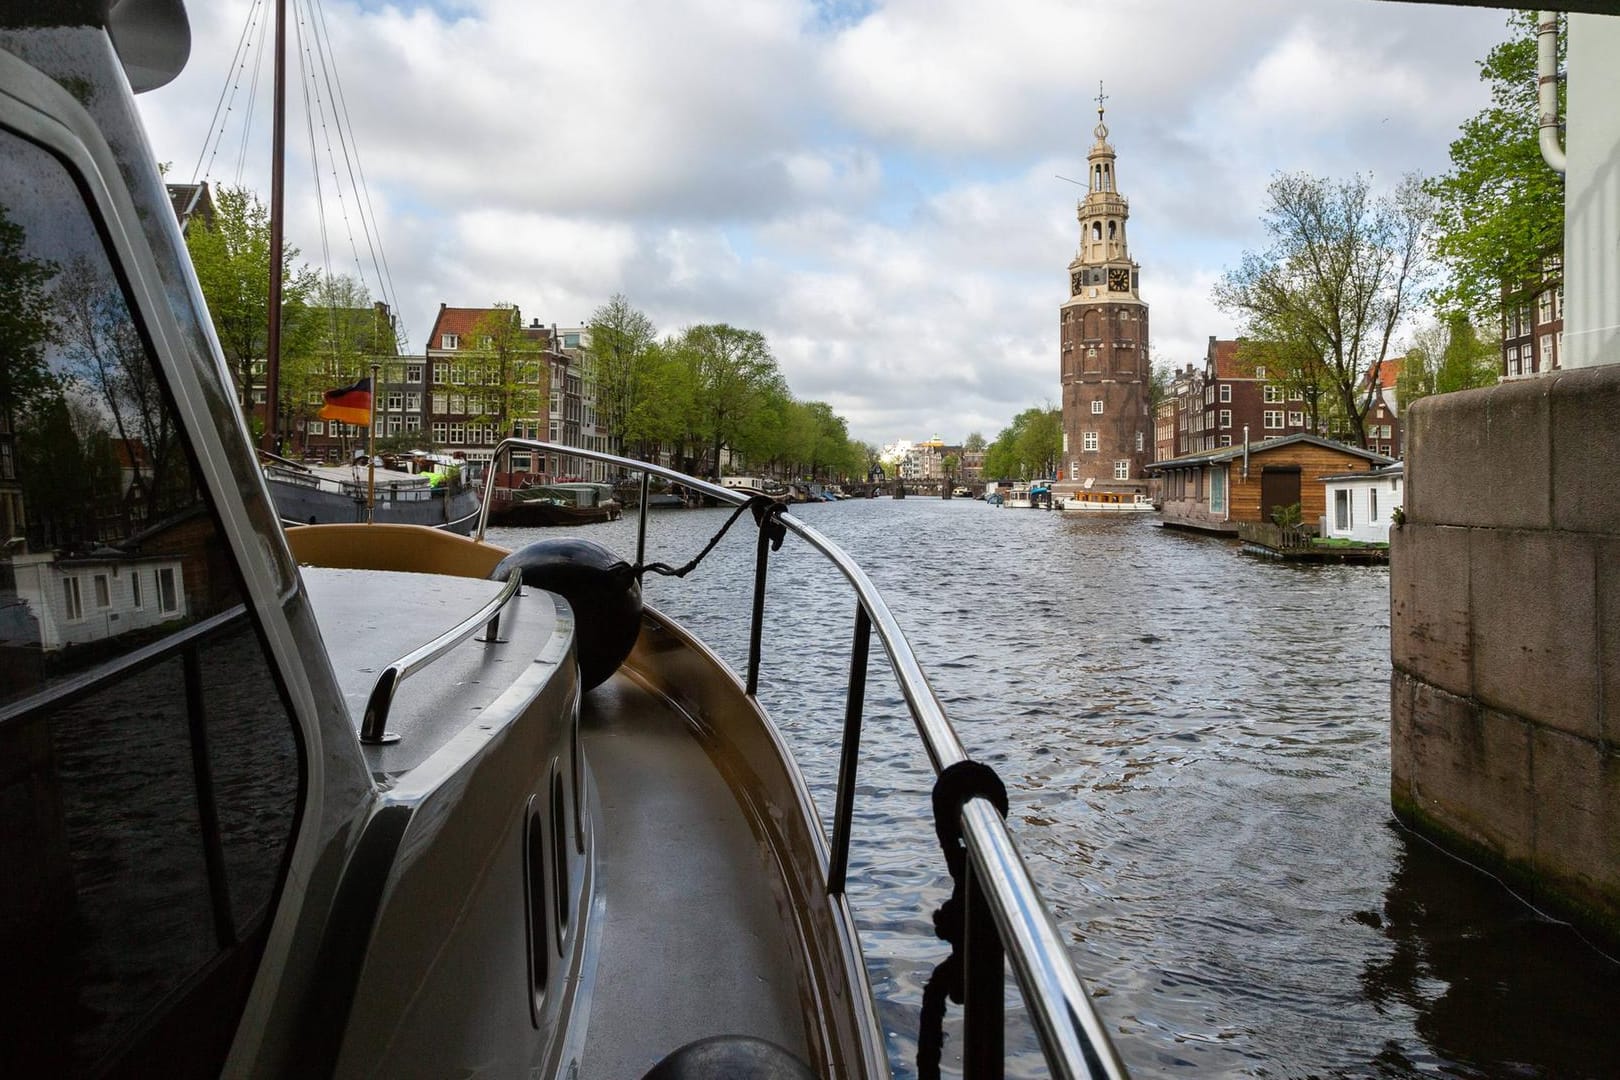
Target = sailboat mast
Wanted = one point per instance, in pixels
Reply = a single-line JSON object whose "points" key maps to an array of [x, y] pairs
{"points": [[278, 141]]}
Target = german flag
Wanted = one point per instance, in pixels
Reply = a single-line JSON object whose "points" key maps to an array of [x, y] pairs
{"points": [[350, 404]]}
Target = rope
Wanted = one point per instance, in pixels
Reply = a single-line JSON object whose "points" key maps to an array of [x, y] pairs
{"points": [[765, 511]]}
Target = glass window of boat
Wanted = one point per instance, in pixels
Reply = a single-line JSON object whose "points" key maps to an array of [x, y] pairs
{"points": [[149, 770]]}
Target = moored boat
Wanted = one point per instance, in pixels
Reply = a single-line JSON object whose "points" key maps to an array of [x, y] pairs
{"points": [[314, 494], [579, 503], [381, 800], [1099, 501]]}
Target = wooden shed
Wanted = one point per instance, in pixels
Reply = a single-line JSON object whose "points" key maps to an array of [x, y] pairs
{"points": [[1217, 490]]}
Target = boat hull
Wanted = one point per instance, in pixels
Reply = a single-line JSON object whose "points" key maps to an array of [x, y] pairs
{"points": [[302, 505]]}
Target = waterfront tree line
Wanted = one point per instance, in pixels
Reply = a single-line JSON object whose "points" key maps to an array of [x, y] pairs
{"points": [[705, 392]]}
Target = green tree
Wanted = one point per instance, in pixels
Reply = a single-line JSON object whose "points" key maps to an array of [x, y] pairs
{"points": [[1499, 211], [620, 362], [735, 376], [974, 443], [1323, 302], [231, 256], [506, 372], [1446, 355], [1028, 447]]}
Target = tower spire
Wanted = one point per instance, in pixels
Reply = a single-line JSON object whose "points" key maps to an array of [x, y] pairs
{"points": [[1102, 128]]}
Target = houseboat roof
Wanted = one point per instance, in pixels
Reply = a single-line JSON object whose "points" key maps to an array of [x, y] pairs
{"points": [[1397, 469], [1227, 453]]}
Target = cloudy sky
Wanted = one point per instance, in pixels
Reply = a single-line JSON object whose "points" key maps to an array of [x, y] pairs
{"points": [[874, 186]]}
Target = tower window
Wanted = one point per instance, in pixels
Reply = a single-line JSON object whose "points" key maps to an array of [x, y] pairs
{"points": [[1096, 230], [1110, 230]]}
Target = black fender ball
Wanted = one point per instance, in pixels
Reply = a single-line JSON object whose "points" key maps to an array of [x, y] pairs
{"points": [[600, 587]]}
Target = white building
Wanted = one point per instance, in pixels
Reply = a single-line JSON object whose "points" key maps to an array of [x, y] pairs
{"points": [[90, 598], [1361, 505]]}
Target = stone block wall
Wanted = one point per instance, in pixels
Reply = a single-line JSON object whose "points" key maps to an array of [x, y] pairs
{"points": [[1505, 636]]}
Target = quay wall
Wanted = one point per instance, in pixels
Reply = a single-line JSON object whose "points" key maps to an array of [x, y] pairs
{"points": [[1505, 637]]}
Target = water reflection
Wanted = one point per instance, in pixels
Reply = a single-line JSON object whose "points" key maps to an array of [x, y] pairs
{"points": [[1196, 750]]}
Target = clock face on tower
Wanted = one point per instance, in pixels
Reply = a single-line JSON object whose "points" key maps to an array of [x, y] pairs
{"points": [[1074, 282], [1119, 280]]}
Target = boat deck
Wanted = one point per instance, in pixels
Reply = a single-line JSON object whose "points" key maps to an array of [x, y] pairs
{"points": [[692, 943]]}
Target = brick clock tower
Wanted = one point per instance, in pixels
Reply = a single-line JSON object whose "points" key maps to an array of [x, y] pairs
{"points": [[1107, 432]]}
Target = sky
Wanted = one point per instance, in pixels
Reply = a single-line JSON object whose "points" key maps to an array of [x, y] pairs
{"points": [[876, 187]]}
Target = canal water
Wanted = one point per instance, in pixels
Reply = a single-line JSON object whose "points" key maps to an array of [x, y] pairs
{"points": [[1196, 749]]}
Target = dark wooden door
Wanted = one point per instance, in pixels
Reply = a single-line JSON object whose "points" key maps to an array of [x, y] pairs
{"points": [[1278, 487]]}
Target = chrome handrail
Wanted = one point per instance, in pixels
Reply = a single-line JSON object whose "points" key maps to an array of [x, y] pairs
{"points": [[1072, 1035], [373, 728]]}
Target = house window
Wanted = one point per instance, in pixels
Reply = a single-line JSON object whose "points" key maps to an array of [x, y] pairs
{"points": [[317, 427], [1544, 307], [441, 371], [1273, 418], [449, 341], [1372, 505], [1122, 469], [440, 430], [413, 372], [570, 341], [1139, 441], [103, 591], [413, 423], [1259, 372], [135, 600], [1513, 360], [1226, 440], [1546, 355], [71, 600], [458, 373], [1273, 394], [413, 402], [1226, 392], [168, 591], [1296, 419], [1217, 491], [1096, 408], [458, 433], [312, 398], [396, 401], [393, 425], [1089, 441], [1296, 395], [1225, 420], [1074, 468], [1341, 510]]}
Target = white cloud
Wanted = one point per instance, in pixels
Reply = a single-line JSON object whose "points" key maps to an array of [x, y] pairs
{"points": [[875, 190]]}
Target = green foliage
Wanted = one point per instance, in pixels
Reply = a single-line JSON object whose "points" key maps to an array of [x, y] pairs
{"points": [[27, 324], [1320, 306], [974, 443], [506, 372], [1286, 517], [1446, 356], [1029, 447], [1499, 214], [734, 377], [620, 362], [231, 256]]}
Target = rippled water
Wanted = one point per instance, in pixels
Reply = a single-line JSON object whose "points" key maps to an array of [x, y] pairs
{"points": [[1196, 749]]}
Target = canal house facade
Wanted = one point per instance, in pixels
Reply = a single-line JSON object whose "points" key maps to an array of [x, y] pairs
{"points": [[1103, 333], [1218, 490]]}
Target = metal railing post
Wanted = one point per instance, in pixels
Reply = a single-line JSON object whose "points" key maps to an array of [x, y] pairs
{"points": [[761, 560], [849, 755], [983, 977], [641, 522]]}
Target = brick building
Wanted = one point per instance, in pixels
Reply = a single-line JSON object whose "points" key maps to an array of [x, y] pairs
{"points": [[1103, 331]]}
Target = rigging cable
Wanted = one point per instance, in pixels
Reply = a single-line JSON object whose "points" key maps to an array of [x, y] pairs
{"points": [[306, 77], [222, 107], [368, 216], [252, 106]]}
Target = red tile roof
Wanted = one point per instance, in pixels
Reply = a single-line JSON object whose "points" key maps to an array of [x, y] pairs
{"points": [[455, 320], [1388, 372], [1224, 355]]}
